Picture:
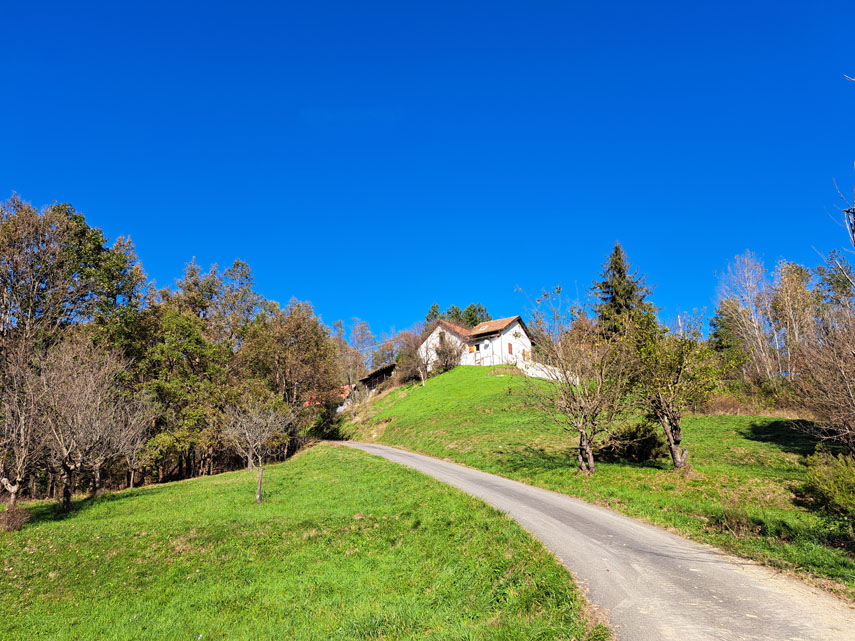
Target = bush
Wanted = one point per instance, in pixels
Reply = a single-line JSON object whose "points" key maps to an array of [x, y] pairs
{"points": [[637, 442], [831, 483], [13, 519]]}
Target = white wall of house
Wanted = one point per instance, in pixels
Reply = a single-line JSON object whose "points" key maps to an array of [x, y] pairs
{"points": [[510, 347]]}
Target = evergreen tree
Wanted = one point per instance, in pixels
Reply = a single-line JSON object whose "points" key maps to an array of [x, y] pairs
{"points": [[621, 292], [454, 315], [474, 314], [433, 313], [723, 335]]}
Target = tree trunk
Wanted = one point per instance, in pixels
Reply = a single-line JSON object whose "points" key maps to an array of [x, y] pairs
{"points": [[258, 488], [672, 425], [66, 488], [95, 488], [586, 455], [13, 492]]}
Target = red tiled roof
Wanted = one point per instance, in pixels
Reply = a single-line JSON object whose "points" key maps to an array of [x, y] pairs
{"points": [[487, 327], [461, 331], [490, 326]]}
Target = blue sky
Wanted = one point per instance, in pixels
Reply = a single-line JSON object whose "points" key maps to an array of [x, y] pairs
{"points": [[373, 158]]}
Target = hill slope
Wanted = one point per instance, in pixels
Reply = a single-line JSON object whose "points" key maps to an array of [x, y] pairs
{"points": [[346, 546], [742, 497]]}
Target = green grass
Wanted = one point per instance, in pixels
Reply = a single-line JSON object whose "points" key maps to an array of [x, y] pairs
{"points": [[743, 496], [345, 546]]}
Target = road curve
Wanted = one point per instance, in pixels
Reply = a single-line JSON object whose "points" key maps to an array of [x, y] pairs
{"points": [[650, 584]]}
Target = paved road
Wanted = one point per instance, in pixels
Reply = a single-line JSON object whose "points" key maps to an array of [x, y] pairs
{"points": [[650, 584]]}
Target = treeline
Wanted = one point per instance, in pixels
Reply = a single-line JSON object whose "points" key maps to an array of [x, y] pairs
{"points": [[109, 380]]}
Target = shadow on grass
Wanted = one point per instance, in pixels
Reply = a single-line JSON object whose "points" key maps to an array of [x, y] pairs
{"points": [[789, 436], [49, 510], [536, 460]]}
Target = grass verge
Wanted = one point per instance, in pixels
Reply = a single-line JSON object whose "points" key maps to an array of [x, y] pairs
{"points": [[743, 496], [345, 546]]}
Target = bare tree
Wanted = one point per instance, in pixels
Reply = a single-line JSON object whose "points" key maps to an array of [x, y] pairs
{"points": [[21, 439], [80, 407], [587, 373], [136, 417], [746, 290], [413, 361], [255, 429], [825, 383], [449, 352]]}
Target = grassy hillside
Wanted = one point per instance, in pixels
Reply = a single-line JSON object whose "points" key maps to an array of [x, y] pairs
{"points": [[346, 546], [742, 497]]}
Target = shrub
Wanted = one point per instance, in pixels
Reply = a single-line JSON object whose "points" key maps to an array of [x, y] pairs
{"points": [[637, 442], [13, 519], [831, 483]]}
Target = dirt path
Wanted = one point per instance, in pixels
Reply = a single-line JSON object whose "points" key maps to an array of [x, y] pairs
{"points": [[652, 585]]}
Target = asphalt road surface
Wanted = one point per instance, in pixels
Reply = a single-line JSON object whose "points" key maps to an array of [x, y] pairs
{"points": [[649, 584]]}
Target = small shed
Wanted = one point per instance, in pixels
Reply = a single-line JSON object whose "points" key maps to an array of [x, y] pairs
{"points": [[378, 376]]}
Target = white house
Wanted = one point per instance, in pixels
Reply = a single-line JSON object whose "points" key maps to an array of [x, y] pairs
{"points": [[504, 341]]}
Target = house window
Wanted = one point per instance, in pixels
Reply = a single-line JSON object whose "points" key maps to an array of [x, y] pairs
{"points": [[510, 348]]}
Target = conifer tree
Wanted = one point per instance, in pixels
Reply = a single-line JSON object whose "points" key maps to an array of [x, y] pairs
{"points": [[621, 292], [475, 314], [433, 313], [454, 315]]}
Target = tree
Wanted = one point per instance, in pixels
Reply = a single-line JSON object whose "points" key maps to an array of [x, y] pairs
{"points": [[55, 270], [620, 293], [384, 350], [21, 436], [187, 376], [448, 351], [235, 304], [672, 371], [587, 372], [826, 379], [793, 307], [80, 398], [412, 363], [136, 416], [454, 315], [475, 314], [745, 285], [255, 428], [293, 352], [433, 313], [836, 277]]}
